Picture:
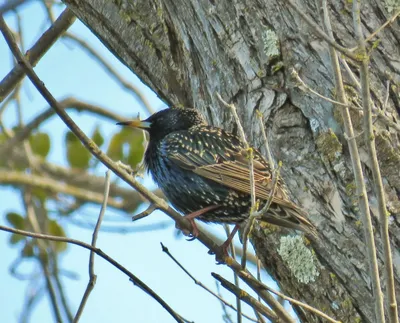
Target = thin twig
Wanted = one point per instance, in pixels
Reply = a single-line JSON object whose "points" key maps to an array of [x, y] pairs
{"points": [[350, 73], [61, 293], [256, 214], [259, 272], [250, 222], [199, 283], [227, 318], [391, 302], [43, 256], [250, 153], [245, 297], [275, 179], [235, 277], [63, 22], [92, 275], [385, 103], [11, 5], [317, 30], [380, 114], [151, 208], [262, 126], [294, 301], [355, 158], [295, 75], [22, 178], [50, 288], [67, 103], [389, 21]]}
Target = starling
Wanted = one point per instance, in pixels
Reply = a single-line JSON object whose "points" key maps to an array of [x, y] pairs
{"points": [[204, 172]]}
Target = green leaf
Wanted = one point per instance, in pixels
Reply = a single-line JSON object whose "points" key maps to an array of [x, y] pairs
{"points": [[16, 220], [15, 238], [97, 137], [40, 193], [77, 155], [136, 149], [56, 230], [28, 251], [40, 144], [134, 140], [115, 149]]}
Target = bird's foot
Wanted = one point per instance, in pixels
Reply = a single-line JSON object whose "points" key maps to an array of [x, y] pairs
{"points": [[192, 234], [221, 253], [190, 217]]}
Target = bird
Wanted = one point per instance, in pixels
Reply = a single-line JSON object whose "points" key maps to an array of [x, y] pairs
{"points": [[204, 172]]}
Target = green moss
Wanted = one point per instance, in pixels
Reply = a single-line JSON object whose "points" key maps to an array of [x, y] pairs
{"points": [[299, 259], [269, 228], [271, 44], [277, 67], [346, 304], [351, 189], [328, 145]]}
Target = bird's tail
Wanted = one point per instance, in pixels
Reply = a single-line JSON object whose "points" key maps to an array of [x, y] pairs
{"points": [[289, 216]]}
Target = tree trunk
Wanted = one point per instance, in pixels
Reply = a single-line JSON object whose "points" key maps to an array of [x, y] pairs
{"points": [[187, 50]]}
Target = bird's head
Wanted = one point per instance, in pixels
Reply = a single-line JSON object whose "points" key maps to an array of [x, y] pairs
{"points": [[166, 121]]}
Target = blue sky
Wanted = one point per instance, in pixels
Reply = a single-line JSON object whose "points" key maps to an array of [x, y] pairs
{"points": [[67, 71]]}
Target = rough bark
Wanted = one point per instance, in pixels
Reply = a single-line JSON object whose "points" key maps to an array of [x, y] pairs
{"points": [[187, 50]]}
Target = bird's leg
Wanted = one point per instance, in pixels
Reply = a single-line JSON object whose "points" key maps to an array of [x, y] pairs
{"points": [[222, 250], [224, 247], [191, 216]]}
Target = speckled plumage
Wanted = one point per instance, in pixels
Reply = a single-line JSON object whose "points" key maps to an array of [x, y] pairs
{"points": [[198, 166]]}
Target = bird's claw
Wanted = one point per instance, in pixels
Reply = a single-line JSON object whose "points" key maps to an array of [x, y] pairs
{"points": [[192, 235]]}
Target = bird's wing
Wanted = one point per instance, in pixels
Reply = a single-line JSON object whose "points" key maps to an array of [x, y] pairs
{"points": [[221, 157]]}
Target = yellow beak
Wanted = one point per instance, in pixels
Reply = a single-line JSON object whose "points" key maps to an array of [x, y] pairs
{"points": [[135, 124]]}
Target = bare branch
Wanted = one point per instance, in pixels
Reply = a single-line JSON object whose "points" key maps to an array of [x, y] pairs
{"points": [[197, 282], [245, 297], [296, 302], [21, 178], [235, 276], [10, 81], [317, 30], [92, 275], [296, 75], [391, 302], [262, 126], [67, 103], [355, 158], [145, 213], [11, 5]]}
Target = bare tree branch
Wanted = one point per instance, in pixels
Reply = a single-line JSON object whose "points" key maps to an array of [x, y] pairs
{"points": [[92, 275], [359, 178], [20, 178], [10, 81], [245, 297], [197, 282], [391, 302], [11, 5]]}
